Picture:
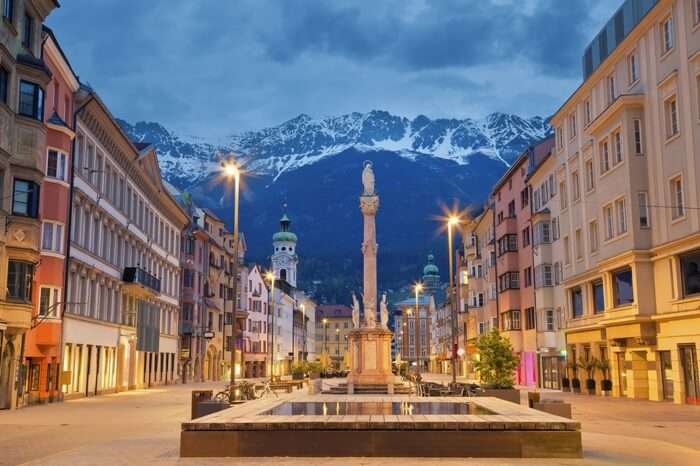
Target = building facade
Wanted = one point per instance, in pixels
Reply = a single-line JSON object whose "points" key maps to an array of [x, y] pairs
{"points": [[626, 153], [24, 77], [333, 323], [42, 348], [413, 330], [120, 326], [255, 338]]}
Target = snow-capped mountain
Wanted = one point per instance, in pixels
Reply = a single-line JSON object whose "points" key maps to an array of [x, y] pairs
{"points": [[303, 140], [313, 166]]}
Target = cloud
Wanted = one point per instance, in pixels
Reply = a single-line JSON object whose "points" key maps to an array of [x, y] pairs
{"points": [[213, 68]]}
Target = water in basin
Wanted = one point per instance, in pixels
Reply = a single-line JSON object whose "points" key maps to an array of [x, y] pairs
{"points": [[342, 408]]}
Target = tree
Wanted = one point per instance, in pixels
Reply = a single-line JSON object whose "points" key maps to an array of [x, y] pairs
{"points": [[497, 363]]}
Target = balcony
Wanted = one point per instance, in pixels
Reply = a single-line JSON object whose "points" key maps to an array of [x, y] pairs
{"points": [[140, 282]]}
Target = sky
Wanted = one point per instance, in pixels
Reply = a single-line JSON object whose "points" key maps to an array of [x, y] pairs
{"points": [[210, 68]]}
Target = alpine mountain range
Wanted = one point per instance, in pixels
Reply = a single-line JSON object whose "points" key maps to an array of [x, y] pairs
{"points": [[312, 167]]}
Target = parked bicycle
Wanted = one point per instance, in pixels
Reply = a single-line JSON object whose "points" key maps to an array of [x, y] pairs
{"points": [[246, 391]]}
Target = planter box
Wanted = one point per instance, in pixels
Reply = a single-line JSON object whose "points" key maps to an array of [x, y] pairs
{"points": [[507, 394]]}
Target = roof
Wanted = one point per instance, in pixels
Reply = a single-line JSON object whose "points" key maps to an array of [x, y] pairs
{"points": [[51, 34], [539, 149], [211, 213], [140, 145], [337, 311]]}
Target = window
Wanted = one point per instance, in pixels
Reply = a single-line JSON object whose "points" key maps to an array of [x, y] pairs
{"points": [[56, 165], [52, 237], [511, 209], [667, 35], [8, 10], [543, 276], [604, 157], [671, 108], [49, 297], [587, 112], [529, 318], [593, 236], [560, 138], [611, 89], [28, 31], [690, 268], [549, 320], [598, 296], [677, 197], [555, 229], [31, 100], [617, 141], [19, 280], [590, 175], [527, 277], [4, 84], [542, 233], [526, 237], [576, 302], [578, 244], [507, 243], [609, 222], [509, 281], [637, 127], [25, 198], [558, 273], [511, 320], [696, 11], [562, 195], [575, 186], [632, 68], [621, 214], [524, 197], [572, 126], [567, 251], [643, 198], [622, 287]]}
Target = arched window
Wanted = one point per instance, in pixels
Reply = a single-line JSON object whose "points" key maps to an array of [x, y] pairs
{"points": [[283, 274]]}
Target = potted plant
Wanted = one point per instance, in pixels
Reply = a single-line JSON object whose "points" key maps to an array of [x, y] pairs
{"points": [[299, 370], [496, 366], [589, 366], [606, 384], [575, 382], [565, 384]]}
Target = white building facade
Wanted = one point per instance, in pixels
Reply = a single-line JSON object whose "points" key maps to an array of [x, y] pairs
{"points": [[120, 323]]}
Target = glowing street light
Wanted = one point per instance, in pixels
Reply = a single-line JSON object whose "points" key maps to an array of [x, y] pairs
{"points": [[231, 170], [417, 288], [452, 222]]}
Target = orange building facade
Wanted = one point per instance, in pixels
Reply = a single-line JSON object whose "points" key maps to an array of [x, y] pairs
{"points": [[42, 352]]}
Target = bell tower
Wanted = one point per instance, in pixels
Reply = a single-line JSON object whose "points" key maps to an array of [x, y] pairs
{"points": [[284, 255]]}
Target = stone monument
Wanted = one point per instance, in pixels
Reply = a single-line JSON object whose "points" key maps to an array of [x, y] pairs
{"points": [[370, 344]]}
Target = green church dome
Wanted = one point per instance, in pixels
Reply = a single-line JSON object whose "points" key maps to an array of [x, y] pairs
{"points": [[431, 268], [285, 234]]}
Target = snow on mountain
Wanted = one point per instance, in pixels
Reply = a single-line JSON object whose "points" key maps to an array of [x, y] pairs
{"points": [[304, 140]]}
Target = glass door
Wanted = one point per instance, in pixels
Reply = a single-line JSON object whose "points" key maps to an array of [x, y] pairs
{"points": [[621, 373], [689, 362], [666, 374]]}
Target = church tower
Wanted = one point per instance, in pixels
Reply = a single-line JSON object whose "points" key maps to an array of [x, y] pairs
{"points": [[284, 257], [431, 277]]}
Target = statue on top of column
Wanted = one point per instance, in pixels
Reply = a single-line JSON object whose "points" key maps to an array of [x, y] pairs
{"points": [[368, 179]]}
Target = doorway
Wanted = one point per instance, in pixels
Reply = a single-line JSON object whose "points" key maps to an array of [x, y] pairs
{"points": [[551, 372], [666, 374], [689, 363]]}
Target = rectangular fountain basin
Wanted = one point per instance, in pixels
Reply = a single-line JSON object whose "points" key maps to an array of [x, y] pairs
{"points": [[388, 426]]}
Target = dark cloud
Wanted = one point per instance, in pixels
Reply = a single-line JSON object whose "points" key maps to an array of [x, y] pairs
{"points": [[209, 67]]}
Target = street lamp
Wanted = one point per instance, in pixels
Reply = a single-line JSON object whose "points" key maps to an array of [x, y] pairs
{"points": [[417, 288], [337, 338], [271, 278], [303, 323], [452, 222], [231, 170]]}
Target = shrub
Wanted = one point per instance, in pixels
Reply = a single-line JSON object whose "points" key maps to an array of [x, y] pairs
{"points": [[497, 363]]}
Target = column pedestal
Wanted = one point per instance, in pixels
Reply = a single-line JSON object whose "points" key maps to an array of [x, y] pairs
{"points": [[370, 358]]}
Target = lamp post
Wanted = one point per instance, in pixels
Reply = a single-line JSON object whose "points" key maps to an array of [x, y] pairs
{"points": [[417, 288], [303, 335], [325, 337], [451, 223], [232, 171], [337, 338], [271, 277]]}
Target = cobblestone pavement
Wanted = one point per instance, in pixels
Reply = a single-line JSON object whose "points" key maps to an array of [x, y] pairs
{"points": [[142, 427]]}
